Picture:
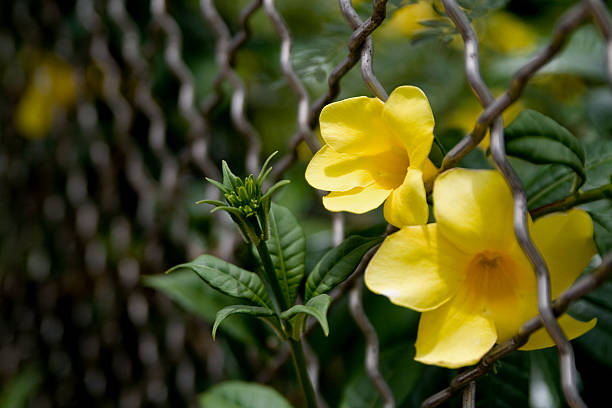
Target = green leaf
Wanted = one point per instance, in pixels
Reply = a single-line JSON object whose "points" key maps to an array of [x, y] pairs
{"points": [[17, 391], [189, 292], [287, 246], [538, 139], [544, 379], [402, 373], [598, 341], [508, 387], [315, 307], [243, 309], [228, 279], [239, 394], [337, 264], [547, 184]]}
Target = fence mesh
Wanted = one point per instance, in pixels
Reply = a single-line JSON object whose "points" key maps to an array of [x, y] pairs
{"points": [[91, 207]]}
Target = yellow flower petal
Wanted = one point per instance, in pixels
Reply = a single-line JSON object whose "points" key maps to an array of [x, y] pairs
{"points": [[333, 171], [355, 126], [473, 208], [416, 268], [506, 286], [455, 334], [357, 200], [565, 240], [408, 114], [573, 328], [406, 204], [430, 171]]}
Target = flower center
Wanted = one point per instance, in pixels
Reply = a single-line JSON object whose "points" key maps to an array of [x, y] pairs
{"points": [[389, 168], [492, 276]]}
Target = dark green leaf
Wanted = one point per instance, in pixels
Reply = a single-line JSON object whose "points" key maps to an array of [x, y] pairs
{"points": [[508, 387], [545, 382], [239, 394], [598, 341], [337, 264], [228, 279], [18, 390], [402, 373], [187, 289], [315, 307], [243, 309], [540, 140], [550, 183], [287, 247]]}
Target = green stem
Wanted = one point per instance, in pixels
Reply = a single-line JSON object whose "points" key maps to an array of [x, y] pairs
{"points": [[270, 279], [299, 362], [573, 200], [297, 352]]}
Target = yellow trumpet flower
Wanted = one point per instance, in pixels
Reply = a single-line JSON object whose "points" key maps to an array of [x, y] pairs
{"points": [[467, 273], [376, 151]]}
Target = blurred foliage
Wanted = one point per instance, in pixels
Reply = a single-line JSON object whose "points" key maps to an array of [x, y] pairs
{"points": [[76, 326]]}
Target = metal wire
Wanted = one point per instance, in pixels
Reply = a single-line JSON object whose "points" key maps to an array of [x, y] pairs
{"points": [[173, 55], [567, 23], [372, 346], [150, 192], [224, 47], [603, 20], [580, 288]]}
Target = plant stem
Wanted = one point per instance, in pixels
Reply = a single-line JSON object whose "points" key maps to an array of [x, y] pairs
{"points": [[270, 279], [297, 351], [299, 362], [573, 200]]}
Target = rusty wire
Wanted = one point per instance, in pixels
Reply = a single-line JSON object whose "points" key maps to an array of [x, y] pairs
{"points": [[569, 21], [360, 49], [580, 288], [359, 39]]}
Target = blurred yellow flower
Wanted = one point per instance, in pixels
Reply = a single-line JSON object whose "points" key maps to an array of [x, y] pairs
{"points": [[467, 273], [51, 88], [507, 34], [376, 151], [464, 117], [406, 20]]}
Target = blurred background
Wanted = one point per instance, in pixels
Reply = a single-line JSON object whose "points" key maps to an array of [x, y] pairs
{"points": [[103, 155]]}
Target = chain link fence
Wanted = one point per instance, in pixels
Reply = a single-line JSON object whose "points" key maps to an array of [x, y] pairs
{"points": [[94, 205]]}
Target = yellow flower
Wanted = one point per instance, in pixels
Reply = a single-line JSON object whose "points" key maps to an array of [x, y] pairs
{"points": [[406, 20], [51, 89], [466, 115], [467, 273], [376, 151], [518, 38]]}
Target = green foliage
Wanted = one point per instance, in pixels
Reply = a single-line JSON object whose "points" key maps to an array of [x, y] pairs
{"points": [[315, 307], [239, 394], [544, 378], [187, 289], [538, 139], [400, 371], [18, 390], [287, 246], [256, 311], [547, 184], [337, 264], [245, 200], [598, 341], [228, 279], [508, 387]]}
